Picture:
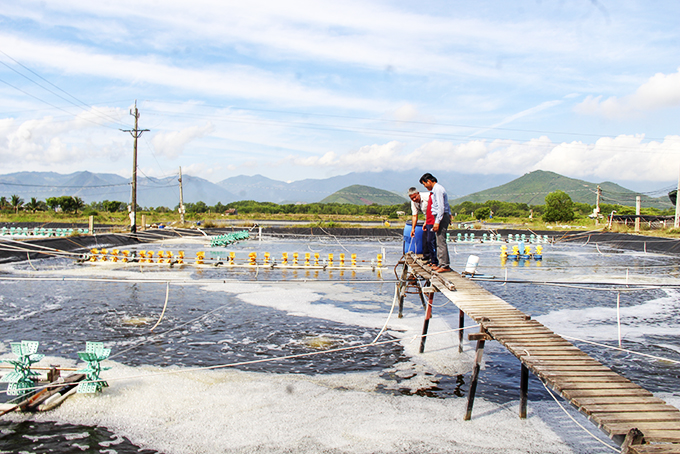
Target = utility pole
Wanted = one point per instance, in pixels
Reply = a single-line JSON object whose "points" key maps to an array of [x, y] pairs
{"points": [[136, 133], [597, 205], [181, 198], [676, 224]]}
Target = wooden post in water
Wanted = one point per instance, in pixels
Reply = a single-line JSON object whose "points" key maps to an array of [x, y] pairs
{"points": [[481, 338], [90, 224], [401, 289], [461, 322], [426, 324], [523, 391]]}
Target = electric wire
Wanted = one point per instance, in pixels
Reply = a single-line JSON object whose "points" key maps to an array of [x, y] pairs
{"points": [[79, 103], [613, 448], [392, 132], [387, 120]]}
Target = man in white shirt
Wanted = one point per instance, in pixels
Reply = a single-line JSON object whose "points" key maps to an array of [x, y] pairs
{"points": [[442, 215], [420, 203]]}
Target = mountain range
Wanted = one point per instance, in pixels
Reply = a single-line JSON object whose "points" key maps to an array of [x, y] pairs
{"points": [[153, 192], [530, 188], [364, 195]]}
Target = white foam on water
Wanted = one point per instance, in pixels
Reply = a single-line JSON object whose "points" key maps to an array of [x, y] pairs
{"points": [[599, 323], [441, 355], [234, 411]]}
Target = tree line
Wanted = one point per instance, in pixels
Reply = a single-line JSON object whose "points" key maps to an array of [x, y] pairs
{"points": [[63, 203], [558, 208]]}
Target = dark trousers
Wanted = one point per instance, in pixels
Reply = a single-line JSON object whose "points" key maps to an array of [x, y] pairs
{"points": [[442, 248], [429, 245]]}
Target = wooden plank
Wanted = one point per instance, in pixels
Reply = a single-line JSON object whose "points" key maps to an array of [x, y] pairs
{"points": [[647, 416], [623, 427], [571, 391], [522, 317], [520, 323], [627, 408], [547, 362], [544, 355], [602, 375], [616, 400], [594, 385], [511, 338], [555, 356], [655, 449], [479, 313], [519, 332], [557, 368], [549, 348], [515, 332], [662, 436]]}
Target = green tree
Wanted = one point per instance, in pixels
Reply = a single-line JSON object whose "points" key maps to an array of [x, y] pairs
{"points": [[52, 203], [482, 213], [67, 203], [3, 203], [33, 205], [16, 203], [112, 206], [78, 204], [558, 207]]}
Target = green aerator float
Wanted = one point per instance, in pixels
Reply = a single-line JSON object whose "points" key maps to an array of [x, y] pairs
{"points": [[21, 381], [35, 393], [93, 355]]}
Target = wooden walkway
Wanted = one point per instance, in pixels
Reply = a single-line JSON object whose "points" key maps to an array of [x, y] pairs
{"points": [[612, 402]]}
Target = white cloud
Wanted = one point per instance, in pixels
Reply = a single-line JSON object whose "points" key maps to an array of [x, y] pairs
{"points": [[239, 81], [171, 144], [660, 91], [202, 170], [59, 145], [369, 158], [407, 112], [626, 157]]}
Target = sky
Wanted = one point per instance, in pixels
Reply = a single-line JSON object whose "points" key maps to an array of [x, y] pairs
{"points": [[291, 90]]}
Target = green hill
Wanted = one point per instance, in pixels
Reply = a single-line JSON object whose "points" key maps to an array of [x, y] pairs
{"points": [[364, 195], [532, 188]]}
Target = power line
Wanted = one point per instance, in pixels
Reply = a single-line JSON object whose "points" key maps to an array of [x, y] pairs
{"points": [[79, 104], [392, 132], [59, 187], [315, 114], [71, 114]]}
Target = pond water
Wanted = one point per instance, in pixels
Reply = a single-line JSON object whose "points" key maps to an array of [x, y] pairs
{"points": [[230, 366]]}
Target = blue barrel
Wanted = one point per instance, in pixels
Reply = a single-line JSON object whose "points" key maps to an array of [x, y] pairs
{"points": [[414, 244]]}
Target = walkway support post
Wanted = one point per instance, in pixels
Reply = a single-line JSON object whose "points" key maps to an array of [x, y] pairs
{"points": [[426, 324], [401, 289], [481, 339], [523, 391], [461, 324]]}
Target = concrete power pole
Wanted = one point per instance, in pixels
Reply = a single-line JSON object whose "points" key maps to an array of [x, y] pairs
{"points": [[676, 224], [181, 198], [136, 133], [597, 205]]}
